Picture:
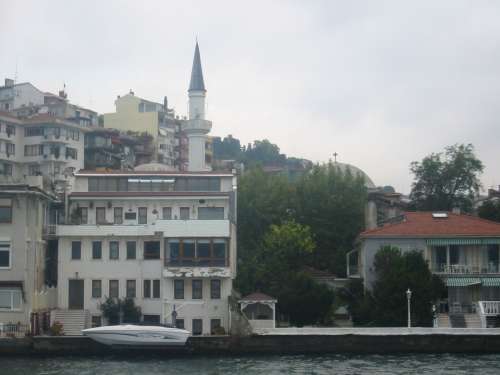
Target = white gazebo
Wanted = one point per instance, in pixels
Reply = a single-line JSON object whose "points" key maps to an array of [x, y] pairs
{"points": [[260, 310]]}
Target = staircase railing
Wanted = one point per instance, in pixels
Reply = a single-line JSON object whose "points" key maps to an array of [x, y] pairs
{"points": [[488, 308]]}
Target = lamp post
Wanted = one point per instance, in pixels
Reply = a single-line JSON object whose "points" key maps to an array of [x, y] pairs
{"points": [[408, 297]]}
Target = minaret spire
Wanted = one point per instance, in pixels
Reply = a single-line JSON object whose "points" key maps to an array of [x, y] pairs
{"points": [[197, 83]]}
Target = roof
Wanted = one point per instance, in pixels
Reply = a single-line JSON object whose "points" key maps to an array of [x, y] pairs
{"points": [[257, 296], [113, 194], [197, 83], [318, 274], [91, 173], [423, 224]]}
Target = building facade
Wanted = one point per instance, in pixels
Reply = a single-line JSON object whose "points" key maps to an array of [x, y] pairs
{"points": [[165, 239], [461, 249]]}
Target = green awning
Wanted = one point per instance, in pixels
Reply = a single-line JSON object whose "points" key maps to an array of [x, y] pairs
{"points": [[491, 281], [462, 241], [463, 281]]}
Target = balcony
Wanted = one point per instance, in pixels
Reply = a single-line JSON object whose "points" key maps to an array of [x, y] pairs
{"points": [[165, 228], [465, 269], [197, 126], [55, 138], [195, 272]]}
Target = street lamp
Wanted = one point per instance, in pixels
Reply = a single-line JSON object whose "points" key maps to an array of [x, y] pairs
{"points": [[408, 297]]}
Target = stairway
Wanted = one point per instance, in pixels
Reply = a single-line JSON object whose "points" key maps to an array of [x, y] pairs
{"points": [[458, 321], [73, 321], [472, 321], [443, 321]]}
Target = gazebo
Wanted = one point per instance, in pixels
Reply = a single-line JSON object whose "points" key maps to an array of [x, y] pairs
{"points": [[260, 310]]}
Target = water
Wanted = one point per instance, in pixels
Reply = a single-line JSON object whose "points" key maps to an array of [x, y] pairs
{"points": [[299, 364]]}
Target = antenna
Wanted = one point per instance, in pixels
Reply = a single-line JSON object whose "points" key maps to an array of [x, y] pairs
{"points": [[15, 74]]}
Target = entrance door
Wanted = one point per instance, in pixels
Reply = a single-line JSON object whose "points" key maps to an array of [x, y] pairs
{"points": [[75, 295]]}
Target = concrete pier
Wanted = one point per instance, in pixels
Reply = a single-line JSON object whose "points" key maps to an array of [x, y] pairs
{"points": [[286, 341]]}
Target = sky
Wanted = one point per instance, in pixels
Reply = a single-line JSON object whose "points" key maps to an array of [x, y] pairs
{"points": [[381, 83]]}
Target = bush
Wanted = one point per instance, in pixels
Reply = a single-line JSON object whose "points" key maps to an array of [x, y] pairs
{"points": [[56, 329]]}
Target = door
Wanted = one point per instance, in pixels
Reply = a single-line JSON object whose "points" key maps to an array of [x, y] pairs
{"points": [[75, 295]]}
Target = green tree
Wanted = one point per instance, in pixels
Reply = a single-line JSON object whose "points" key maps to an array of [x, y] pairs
{"points": [[278, 271], [331, 202], [263, 153], [228, 148], [490, 210], [395, 273], [445, 181], [112, 307]]}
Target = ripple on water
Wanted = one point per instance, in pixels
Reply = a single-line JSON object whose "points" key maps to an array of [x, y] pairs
{"points": [[299, 364]]}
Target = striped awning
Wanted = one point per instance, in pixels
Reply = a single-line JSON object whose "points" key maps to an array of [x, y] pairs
{"points": [[462, 241], [490, 281], [463, 281]]}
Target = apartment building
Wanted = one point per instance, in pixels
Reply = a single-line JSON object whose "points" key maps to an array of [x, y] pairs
{"points": [[165, 239], [41, 145]]}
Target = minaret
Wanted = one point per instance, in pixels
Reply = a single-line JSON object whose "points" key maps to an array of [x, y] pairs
{"points": [[197, 127]]}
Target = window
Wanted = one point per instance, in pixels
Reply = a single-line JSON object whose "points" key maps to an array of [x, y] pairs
{"points": [[34, 170], [10, 299], [454, 254], [203, 249], [5, 214], [215, 324], [130, 289], [6, 169], [96, 289], [5, 261], [147, 289], [131, 249], [100, 215], [179, 323], [197, 327], [151, 318], [220, 249], [143, 215], [33, 131], [76, 250], [71, 153], [118, 215], [197, 289], [215, 289], [210, 213], [151, 249], [96, 321], [184, 213], [156, 288], [178, 289], [189, 248], [84, 215], [174, 250], [96, 249], [33, 150], [114, 250], [10, 130], [114, 288], [130, 216], [167, 213], [10, 148]]}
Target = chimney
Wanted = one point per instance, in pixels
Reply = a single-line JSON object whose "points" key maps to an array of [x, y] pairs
{"points": [[62, 94], [9, 82], [165, 104]]}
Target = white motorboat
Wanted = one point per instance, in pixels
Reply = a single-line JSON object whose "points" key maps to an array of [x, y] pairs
{"points": [[136, 335]]}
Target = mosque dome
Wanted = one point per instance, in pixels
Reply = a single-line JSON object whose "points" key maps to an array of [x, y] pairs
{"points": [[154, 167], [355, 171]]}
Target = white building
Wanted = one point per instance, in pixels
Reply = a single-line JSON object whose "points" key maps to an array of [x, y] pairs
{"points": [[41, 145], [165, 239]]}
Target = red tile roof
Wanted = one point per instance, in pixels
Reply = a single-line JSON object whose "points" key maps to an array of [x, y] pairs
{"points": [[258, 297], [423, 224]]}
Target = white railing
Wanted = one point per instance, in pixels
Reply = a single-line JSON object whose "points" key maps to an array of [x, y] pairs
{"points": [[488, 308], [464, 269]]}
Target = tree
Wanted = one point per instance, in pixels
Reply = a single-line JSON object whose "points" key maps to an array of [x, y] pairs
{"points": [[112, 307], [445, 181], [276, 269], [490, 210], [331, 203], [263, 153], [395, 273], [228, 148]]}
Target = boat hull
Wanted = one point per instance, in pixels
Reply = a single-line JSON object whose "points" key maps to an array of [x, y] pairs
{"points": [[137, 336]]}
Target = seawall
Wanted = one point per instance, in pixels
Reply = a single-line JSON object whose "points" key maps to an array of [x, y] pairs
{"points": [[365, 341]]}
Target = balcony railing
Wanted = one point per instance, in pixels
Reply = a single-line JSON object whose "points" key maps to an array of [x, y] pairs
{"points": [[197, 262], [464, 269]]}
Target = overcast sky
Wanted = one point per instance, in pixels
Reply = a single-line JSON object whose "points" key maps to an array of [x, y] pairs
{"points": [[382, 83]]}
